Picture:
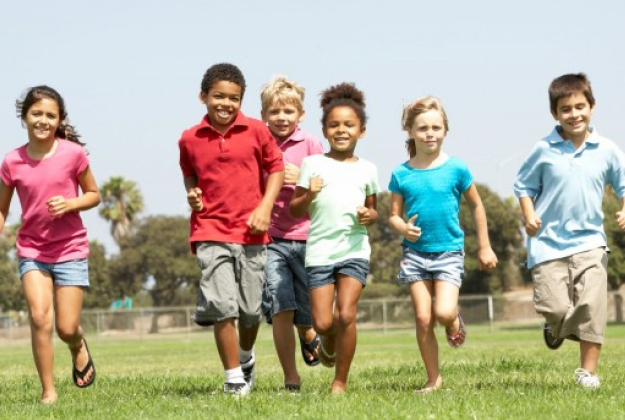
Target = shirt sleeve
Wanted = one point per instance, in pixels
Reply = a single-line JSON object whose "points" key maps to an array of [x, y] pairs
{"points": [[82, 162], [466, 178], [185, 161], [617, 172], [373, 187], [6, 174], [528, 181], [393, 184], [305, 174], [273, 161]]}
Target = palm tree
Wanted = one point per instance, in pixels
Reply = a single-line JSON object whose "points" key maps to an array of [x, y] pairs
{"points": [[121, 203]]}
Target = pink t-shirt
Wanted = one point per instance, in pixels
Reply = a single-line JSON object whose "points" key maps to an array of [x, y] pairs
{"points": [[294, 150], [42, 237]]}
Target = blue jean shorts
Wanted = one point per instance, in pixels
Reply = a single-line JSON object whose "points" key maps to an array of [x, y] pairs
{"points": [[323, 275], [418, 266], [67, 273], [286, 284]]}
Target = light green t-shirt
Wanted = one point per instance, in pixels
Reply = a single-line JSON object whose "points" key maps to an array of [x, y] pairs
{"points": [[335, 234]]}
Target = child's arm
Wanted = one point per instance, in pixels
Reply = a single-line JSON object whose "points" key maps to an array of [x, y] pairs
{"points": [[368, 214], [258, 221], [300, 202], [194, 194], [59, 205], [485, 254], [532, 221], [6, 193], [408, 230]]}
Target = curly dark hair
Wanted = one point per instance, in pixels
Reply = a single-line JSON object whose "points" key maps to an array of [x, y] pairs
{"points": [[36, 93], [223, 72], [343, 94]]}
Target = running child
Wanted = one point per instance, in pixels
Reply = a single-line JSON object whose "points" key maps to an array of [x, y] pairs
{"points": [[427, 189], [52, 243], [560, 187], [223, 161], [340, 190], [285, 297]]}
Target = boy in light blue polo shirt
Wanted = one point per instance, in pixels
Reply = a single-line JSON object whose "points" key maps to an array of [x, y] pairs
{"points": [[560, 188]]}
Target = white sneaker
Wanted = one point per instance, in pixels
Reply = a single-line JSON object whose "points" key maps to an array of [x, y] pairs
{"points": [[586, 379], [249, 373], [237, 390]]}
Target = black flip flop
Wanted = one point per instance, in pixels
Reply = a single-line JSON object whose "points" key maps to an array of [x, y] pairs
{"points": [[310, 348], [80, 374]]}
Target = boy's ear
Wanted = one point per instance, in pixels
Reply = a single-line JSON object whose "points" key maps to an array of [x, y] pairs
{"points": [[202, 97], [302, 114]]}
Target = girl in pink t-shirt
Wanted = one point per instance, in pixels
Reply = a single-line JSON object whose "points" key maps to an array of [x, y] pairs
{"points": [[52, 243]]}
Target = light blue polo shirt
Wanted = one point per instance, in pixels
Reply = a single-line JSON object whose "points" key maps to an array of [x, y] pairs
{"points": [[568, 186]]}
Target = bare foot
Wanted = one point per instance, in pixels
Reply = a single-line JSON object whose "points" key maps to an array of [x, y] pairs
{"points": [[48, 398], [338, 388], [431, 386]]}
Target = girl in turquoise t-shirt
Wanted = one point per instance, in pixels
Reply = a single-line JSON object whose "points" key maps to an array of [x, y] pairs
{"points": [[428, 188], [339, 189]]}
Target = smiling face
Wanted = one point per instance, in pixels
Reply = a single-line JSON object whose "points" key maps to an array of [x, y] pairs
{"points": [[223, 101], [42, 120], [282, 119], [428, 132], [573, 114], [343, 129]]}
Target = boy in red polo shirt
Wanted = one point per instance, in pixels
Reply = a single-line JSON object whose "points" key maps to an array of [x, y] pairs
{"points": [[223, 159]]}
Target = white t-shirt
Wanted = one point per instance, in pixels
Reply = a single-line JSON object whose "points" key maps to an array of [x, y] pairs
{"points": [[335, 234]]}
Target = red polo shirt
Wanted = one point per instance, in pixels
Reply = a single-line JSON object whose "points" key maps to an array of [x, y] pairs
{"points": [[229, 168]]}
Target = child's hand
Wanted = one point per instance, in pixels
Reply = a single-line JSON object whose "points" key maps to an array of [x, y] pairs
{"points": [[194, 198], [620, 219], [411, 232], [258, 222], [58, 206], [316, 183], [291, 173], [532, 225], [364, 215], [487, 259]]}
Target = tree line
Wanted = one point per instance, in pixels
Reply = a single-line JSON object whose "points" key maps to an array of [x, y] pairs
{"points": [[155, 267]]}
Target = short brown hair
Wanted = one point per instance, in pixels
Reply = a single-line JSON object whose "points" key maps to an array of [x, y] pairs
{"points": [[282, 90], [567, 85]]}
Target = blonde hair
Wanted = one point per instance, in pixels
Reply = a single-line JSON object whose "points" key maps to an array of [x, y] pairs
{"points": [[282, 90], [416, 108]]}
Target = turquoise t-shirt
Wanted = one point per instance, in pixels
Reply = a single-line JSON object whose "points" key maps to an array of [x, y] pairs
{"points": [[335, 234], [434, 195]]}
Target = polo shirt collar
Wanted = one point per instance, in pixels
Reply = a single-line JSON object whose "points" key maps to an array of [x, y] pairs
{"points": [[555, 136], [296, 135], [239, 121]]}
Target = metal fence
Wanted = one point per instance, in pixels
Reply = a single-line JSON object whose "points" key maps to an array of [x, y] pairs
{"points": [[385, 314]]}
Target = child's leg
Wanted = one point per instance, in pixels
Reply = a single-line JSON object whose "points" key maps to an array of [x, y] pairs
{"points": [[227, 343], [322, 310], [348, 291], [446, 305], [421, 294], [284, 341], [68, 302], [38, 292], [589, 355]]}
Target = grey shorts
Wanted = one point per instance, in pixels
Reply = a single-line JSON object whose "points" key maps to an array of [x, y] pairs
{"points": [[67, 273], [286, 284], [232, 282], [419, 266], [572, 294]]}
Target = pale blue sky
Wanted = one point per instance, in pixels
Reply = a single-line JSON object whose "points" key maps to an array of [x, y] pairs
{"points": [[130, 73]]}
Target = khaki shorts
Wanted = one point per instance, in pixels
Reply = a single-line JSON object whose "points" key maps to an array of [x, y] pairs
{"points": [[572, 294], [232, 283]]}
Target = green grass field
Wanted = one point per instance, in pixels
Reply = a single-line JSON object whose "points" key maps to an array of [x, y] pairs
{"points": [[500, 374]]}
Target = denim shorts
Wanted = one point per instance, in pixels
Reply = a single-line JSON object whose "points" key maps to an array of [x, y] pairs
{"points": [[67, 273], [323, 275], [286, 284], [232, 283], [418, 266]]}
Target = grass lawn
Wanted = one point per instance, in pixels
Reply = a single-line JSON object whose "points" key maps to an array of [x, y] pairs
{"points": [[500, 374]]}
